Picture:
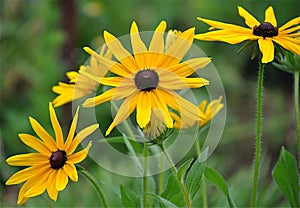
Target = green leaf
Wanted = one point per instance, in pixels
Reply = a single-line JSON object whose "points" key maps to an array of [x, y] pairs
{"points": [[129, 198], [216, 178], [183, 168], [118, 139], [173, 192], [193, 178], [162, 200], [286, 176]]}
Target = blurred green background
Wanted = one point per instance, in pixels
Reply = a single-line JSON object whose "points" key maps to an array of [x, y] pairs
{"points": [[41, 40]]}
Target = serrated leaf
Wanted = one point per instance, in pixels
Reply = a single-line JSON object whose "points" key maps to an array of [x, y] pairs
{"points": [[173, 192], [286, 176], [162, 200], [129, 198], [193, 178], [183, 168], [217, 179]]}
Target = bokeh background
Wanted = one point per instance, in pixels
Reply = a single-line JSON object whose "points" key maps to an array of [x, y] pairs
{"points": [[41, 40]]}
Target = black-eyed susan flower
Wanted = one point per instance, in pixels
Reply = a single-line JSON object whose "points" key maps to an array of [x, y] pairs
{"points": [[265, 33], [210, 110], [83, 85], [53, 163], [149, 78]]}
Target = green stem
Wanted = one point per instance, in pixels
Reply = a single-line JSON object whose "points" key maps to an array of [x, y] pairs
{"points": [[296, 107], [174, 169], [203, 183], [145, 178], [95, 184], [161, 176], [258, 135]]}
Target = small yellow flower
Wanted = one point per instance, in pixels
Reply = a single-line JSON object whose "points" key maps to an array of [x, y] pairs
{"points": [[209, 110], [80, 86], [265, 33], [53, 163], [149, 78]]}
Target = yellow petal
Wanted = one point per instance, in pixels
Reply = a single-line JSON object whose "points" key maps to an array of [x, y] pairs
{"points": [[120, 52], [143, 109], [72, 130], [56, 127], [36, 144], [182, 83], [25, 174], [188, 67], [249, 19], [224, 26], [290, 23], [266, 47], [138, 46], [157, 42], [112, 81], [126, 108], [79, 156], [113, 66], [61, 180], [291, 44], [43, 134], [71, 171], [28, 159], [106, 96], [52, 192], [270, 16]]}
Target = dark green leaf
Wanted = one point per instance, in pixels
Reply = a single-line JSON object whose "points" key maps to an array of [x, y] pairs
{"points": [[182, 170], [162, 200], [215, 178], [129, 198], [193, 178], [173, 192], [286, 176]]}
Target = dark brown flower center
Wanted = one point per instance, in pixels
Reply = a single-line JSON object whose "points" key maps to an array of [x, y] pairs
{"points": [[146, 80], [265, 29], [58, 159]]}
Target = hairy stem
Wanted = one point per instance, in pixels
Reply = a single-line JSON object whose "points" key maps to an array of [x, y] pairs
{"points": [[258, 135]]}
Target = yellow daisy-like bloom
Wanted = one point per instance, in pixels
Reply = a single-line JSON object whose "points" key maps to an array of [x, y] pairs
{"points": [[54, 162], [209, 110], [82, 85], [149, 79], [265, 33]]}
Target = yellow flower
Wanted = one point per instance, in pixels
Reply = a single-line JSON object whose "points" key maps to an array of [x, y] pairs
{"points": [[53, 162], [265, 33], [209, 110], [80, 86], [149, 79]]}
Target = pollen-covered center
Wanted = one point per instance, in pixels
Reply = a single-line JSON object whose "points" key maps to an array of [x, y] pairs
{"points": [[265, 29], [58, 159], [146, 80]]}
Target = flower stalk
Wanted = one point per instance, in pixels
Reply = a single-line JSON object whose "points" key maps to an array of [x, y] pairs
{"points": [[258, 135], [296, 108], [94, 182], [145, 177]]}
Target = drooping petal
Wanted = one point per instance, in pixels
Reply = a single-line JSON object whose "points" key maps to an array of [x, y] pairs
{"points": [[36, 144], [25, 174], [143, 109], [79, 156], [52, 192], [61, 180], [43, 134], [104, 97], [291, 44], [270, 16], [266, 47], [249, 19], [126, 108], [71, 171], [28, 159], [120, 52], [56, 127], [138, 46]]}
